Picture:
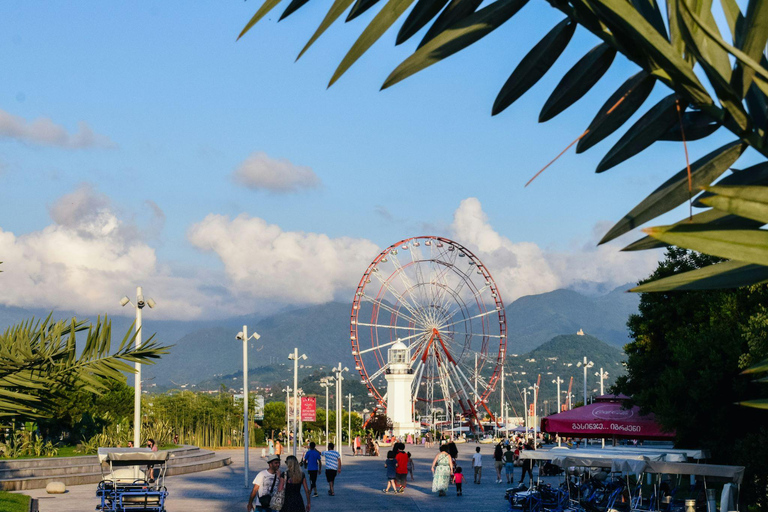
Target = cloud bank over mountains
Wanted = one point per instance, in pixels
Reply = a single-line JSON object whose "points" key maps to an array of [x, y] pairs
{"points": [[90, 256]]}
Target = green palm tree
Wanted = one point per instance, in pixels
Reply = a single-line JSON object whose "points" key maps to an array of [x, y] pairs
{"points": [[39, 359]]}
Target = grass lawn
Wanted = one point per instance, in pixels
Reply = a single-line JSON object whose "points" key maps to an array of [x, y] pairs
{"points": [[13, 502]]}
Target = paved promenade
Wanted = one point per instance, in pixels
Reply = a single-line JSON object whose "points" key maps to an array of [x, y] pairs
{"points": [[358, 488]]}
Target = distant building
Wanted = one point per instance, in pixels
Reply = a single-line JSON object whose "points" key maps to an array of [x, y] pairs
{"points": [[580, 332]]}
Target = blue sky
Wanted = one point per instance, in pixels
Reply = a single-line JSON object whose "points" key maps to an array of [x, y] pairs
{"points": [[174, 107]]}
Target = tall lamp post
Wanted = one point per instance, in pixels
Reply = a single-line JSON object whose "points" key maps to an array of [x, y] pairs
{"points": [[140, 303], [339, 397], [294, 356], [603, 375], [243, 335], [586, 365], [326, 382], [349, 420], [558, 381], [287, 409]]}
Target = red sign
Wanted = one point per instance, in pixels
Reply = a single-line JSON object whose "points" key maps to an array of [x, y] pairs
{"points": [[308, 408], [531, 412]]}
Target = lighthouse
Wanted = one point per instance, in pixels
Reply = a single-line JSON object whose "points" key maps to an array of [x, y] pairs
{"points": [[399, 376]]}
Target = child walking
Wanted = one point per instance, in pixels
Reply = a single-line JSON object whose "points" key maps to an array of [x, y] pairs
{"points": [[390, 464], [410, 465], [458, 479]]}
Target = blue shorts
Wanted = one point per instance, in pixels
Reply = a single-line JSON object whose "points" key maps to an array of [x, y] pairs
{"points": [[509, 467]]}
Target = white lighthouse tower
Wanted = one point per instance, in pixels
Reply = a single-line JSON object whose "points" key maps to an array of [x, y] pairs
{"points": [[399, 380]]}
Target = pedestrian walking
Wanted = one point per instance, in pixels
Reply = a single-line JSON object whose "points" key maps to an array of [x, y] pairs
{"points": [[294, 481], [332, 467], [312, 458], [410, 466], [527, 466], [477, 465], [442, 469], [498, 462], [458, 479], [509, 464], [401, 468], [390, 464], [265, 484]]}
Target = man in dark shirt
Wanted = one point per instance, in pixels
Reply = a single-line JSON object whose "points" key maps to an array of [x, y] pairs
{"points": [[312, 460], [401, 470]]}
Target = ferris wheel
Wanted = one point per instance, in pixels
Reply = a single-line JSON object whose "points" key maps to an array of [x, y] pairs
{"points": [[436, 297]]}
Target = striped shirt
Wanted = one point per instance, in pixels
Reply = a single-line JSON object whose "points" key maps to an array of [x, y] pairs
{"points": [[331, 459]]}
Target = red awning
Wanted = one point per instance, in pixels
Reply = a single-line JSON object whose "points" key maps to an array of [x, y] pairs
{"points": [[605, 419]]}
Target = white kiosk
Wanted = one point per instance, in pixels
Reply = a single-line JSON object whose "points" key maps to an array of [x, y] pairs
{"points": [[399, 381]]}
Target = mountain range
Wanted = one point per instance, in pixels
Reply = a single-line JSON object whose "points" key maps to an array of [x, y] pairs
{"points": [[203, 349]]}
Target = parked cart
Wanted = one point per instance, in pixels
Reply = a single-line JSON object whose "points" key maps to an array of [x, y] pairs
{"points": [[133, 479]]}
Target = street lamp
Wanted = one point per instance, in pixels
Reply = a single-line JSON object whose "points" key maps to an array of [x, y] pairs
{"points": [[140, 303], [349, 420], [338, 371], [287, 408], [243, 335], [326, 382], [603, 375], [558, 381], [586, 365], [294, 356]]}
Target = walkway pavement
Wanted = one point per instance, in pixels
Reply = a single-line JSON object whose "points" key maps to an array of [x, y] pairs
{"points": [[358, 487]]}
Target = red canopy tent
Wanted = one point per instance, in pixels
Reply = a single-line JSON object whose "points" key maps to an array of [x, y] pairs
{"points": [[605, 418]]}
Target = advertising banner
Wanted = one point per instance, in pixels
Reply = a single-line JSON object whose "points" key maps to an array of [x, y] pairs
{"points": [[258, 407], [308, 408]]}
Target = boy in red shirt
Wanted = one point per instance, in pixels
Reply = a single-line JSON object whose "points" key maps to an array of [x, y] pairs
{"points": [[401, 470]]}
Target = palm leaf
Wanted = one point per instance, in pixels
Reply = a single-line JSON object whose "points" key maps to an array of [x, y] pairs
{"points": [[674, 191], [578, 81], [647, 130], [670, 66], [753, 42], [534, 65], [456, 11], [750, 201], [729, 274], [375, 29], [696, 125], [294, 6], [464, 33], [708, 219], [267, 6], [423, 11], [359, 8], [618, 109], [750, 246], [336, 10], [754, 175]]}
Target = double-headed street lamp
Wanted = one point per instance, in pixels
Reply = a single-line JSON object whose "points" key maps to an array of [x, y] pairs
{"points": [[294, 356], [287, 390], [326, 382], [339, 397], [243, 335], [140, 303], [586, 365]]}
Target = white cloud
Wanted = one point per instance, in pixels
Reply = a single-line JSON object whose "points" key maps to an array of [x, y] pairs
{"points": [[44, 132], [86, 260], [523, 268], [259, 171], [263, 261]]}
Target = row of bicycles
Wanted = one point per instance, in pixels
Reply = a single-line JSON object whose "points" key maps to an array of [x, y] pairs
{"points": [[594, 495]]}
